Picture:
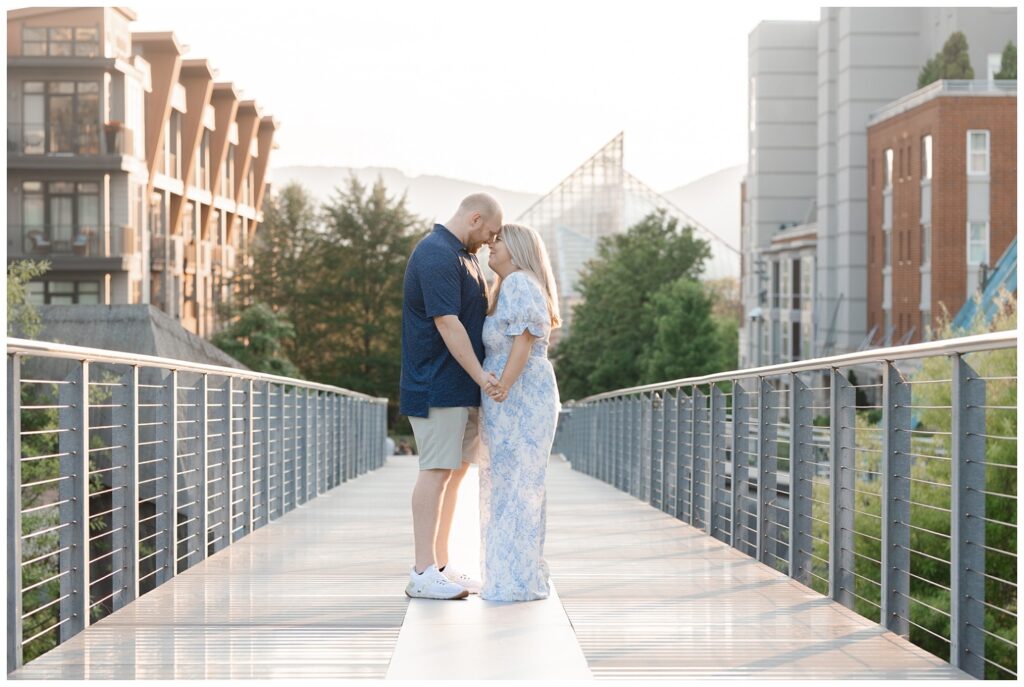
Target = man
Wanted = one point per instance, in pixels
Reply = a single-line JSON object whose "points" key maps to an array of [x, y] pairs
{"points": [[443, 311]]}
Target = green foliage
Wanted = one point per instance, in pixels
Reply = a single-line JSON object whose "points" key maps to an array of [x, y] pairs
{"points": [[952, 62], [1008, 67], [255, 340], [625, 332], [23, 319], [336, 273]]}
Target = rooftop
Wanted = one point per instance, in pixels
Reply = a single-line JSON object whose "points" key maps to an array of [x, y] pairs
{"points": [[945, 87]]}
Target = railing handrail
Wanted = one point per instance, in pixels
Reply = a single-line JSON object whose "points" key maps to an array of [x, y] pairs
{"points": [[56, 350], [965, 344]]}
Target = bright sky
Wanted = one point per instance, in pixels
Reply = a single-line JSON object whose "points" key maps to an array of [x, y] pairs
{"points": [[510, 93]]}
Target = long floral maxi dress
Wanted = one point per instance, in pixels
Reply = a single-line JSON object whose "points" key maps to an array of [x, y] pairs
{"points": [[518, 434]]}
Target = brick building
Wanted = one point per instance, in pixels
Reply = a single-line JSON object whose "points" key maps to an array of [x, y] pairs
{"points": [[942, 202]]}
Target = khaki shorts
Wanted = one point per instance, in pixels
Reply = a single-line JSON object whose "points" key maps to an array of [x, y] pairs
{"points": [[447, 437]]}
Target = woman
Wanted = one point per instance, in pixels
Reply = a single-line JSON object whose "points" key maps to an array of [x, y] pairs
{"points": [[519, 422]]}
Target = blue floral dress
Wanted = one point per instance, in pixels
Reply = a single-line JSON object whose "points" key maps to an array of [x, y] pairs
{"points": [[518, 434]]}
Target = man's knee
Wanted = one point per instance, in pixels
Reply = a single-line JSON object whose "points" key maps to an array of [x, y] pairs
{"points": [[434, 477]]}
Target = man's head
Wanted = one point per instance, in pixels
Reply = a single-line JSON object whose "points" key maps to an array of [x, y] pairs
{"points": [[477, 221]]}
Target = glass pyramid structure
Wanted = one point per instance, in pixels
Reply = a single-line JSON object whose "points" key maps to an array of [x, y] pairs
{"points": [[600, 198]]}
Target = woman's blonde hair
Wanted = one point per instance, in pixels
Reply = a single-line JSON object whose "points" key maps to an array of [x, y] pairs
{"points": [[529, 255]]}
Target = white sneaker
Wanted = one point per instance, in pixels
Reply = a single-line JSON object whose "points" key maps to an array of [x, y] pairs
{"points": [[460, 578], [432, 584]]}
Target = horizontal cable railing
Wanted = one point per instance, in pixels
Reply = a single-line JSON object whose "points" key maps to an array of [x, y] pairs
{"points": [[124, 470], [885, 479]]}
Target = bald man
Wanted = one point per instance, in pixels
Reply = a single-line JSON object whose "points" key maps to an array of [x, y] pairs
{"points": [[443, 311]]}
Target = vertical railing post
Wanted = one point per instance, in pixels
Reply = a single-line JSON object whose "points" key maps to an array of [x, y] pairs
{"points": [[801, 476], [279, 450], [249, 457], [615, 476], [296, 467], [265, 453], [767, 473], [124, 496], [15, 610], [684, 458], [967, 512], [698, 460], [842, 417], [220, 484], [657, 452], [740, 464], [646, 459], [895, 469], [670, 452], [716, 453], [202, 456], [167, 521], [330, 439], [73, 493], [308, 444]]}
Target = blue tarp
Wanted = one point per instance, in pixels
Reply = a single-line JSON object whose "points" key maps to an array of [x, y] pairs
{"points": [[1004, 275]]}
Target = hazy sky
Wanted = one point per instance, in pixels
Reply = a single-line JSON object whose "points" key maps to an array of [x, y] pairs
{"points": [[513, 93]]}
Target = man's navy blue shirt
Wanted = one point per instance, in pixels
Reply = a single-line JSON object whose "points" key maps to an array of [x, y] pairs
{"points": [[442, 278]]}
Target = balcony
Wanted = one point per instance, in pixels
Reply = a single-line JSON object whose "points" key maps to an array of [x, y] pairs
{"points": [[41, 241], [68, 140]]}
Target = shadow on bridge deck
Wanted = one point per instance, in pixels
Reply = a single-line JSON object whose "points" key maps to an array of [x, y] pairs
{"points": [[319, 594]]}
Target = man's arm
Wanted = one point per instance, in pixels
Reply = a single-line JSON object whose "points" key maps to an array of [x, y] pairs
{"points": [[457, 341]]}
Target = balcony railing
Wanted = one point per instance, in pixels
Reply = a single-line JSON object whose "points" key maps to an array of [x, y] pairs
{"points": [[68, 140], [125, 470], [894, 495], [86, 241]]}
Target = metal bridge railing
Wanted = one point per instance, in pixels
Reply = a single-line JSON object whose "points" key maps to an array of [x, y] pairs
{"points": [[885, 479], [124, 470]]}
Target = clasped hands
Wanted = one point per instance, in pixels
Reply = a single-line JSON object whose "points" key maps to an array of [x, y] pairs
{"points": [[493, 387]]}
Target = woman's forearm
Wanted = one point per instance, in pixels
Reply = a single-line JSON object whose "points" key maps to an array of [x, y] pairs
{"points": [[517, 358]]}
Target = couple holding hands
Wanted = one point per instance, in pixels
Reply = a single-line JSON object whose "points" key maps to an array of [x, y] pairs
{"points": [[478, 387]]}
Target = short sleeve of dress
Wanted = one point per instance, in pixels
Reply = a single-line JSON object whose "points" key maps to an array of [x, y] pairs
{"points": [[522, 306]]}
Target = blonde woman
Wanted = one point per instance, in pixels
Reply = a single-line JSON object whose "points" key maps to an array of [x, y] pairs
{"points": [[518, 421]]}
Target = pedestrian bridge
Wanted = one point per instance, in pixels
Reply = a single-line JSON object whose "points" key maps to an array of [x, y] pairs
{"points": [[702, 528]]}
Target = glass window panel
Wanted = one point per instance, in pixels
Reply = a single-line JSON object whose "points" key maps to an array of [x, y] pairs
{"points": [[85, 34], [60, 49], [88, 299], [31, 49], [62, 300], [60, 124], [32, 186], [87, 50], [89, 287], [63, 34], [88, 87], [88, 188], [32, 209], [88, 126], [887, 169], [61, 287], [61, 187], [88, 212], [33, 34], [926, 157], [36, 292], [60, 86], [34, 86]]}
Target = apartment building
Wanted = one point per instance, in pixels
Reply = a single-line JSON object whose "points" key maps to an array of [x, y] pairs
{"points": [[812, 87], [942, 202], [131, 169]]}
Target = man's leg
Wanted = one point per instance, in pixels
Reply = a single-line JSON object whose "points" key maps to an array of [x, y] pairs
{"points": [[444, 525], [426, 507]]}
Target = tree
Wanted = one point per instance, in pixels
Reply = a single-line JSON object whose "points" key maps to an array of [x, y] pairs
{"points": [[952, 62], [367, 240], [1008, 68], [255, 340], [22, 318], [680, 311], [612, 326]]}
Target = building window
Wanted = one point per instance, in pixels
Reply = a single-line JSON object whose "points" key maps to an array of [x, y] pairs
{"points": [[60, 118], [59, 292], [795, 338], [775, 283], [977, 152], [79, 41], [926, 157], [61, 217], [796, 283], [977, 243], [887, 169]]}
